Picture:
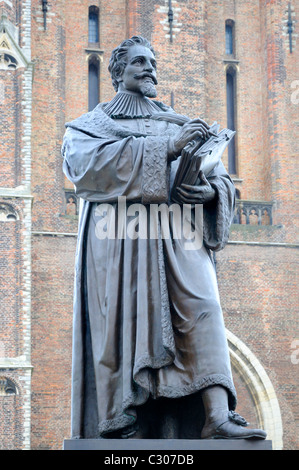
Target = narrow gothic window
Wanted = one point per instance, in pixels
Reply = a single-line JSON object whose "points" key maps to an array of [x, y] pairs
{"points": [[229, 37], [93, 25], [93, 83], [231, 117]]}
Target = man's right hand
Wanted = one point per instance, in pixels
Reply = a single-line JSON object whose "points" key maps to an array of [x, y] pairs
{"points": [[191, 131]]}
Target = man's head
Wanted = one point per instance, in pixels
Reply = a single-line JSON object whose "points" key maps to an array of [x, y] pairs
{"points": [[133, 67]]}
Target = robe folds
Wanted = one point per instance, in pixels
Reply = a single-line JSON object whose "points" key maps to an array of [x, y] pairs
{"points": [[148, 325]]}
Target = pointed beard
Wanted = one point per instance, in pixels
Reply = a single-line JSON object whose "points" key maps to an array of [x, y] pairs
{"points": [[148, 89]]}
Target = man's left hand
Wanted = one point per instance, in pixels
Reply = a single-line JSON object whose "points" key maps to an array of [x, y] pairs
{"points": [[197, 194]]}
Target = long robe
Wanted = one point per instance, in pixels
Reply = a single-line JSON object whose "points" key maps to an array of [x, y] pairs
{"points": [[148, 325]]}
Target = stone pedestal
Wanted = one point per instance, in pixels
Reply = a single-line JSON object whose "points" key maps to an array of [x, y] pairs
{"points": [[167, 446]]}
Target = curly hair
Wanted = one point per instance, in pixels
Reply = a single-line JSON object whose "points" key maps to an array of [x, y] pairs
{"points": [[118, 57]]}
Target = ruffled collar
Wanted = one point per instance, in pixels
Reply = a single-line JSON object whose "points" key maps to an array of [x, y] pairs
{"points": [[130, 105]]}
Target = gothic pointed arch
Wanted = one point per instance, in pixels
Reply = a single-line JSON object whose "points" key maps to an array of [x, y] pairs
{"points": [[11, 55], [262, 392]]}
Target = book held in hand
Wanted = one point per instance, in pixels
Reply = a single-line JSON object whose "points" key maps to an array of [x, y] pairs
{"points": [[191, 162], [196, 157]]}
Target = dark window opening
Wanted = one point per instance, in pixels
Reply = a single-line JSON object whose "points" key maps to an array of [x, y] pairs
{"points": [[93, 25], [93, 84], [231, 117], [229, 37]]}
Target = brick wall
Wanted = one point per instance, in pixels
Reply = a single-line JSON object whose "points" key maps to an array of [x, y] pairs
{"points": [[10, 123], [258, 290], [11, 413], [52, 278], [15, 225]]}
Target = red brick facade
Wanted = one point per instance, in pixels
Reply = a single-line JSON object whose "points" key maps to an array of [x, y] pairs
{"points": [[257, 271]]}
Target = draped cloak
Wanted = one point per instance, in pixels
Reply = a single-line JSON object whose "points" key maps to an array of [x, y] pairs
{"points": [[148, 323]]}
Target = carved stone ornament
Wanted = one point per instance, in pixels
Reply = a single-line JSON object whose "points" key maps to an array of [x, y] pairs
{"points": [[8, 213], [11, 55], [7, 387]]}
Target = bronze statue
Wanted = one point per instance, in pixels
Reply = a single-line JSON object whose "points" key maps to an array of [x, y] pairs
{"points": [[150, 355]]}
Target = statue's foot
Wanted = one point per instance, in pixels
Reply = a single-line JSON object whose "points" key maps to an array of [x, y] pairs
{"points": [[230, 425], [134, 432], [130, 432]]}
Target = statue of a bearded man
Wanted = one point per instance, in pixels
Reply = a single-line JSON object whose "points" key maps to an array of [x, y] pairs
{"points": [[150, 354]]}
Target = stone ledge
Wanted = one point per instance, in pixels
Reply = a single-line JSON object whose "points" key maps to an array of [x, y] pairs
{"points": [[261, 233], [166, 444]]}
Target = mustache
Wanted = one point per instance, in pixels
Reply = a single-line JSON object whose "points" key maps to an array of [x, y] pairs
{"points": [[139, 76]]}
